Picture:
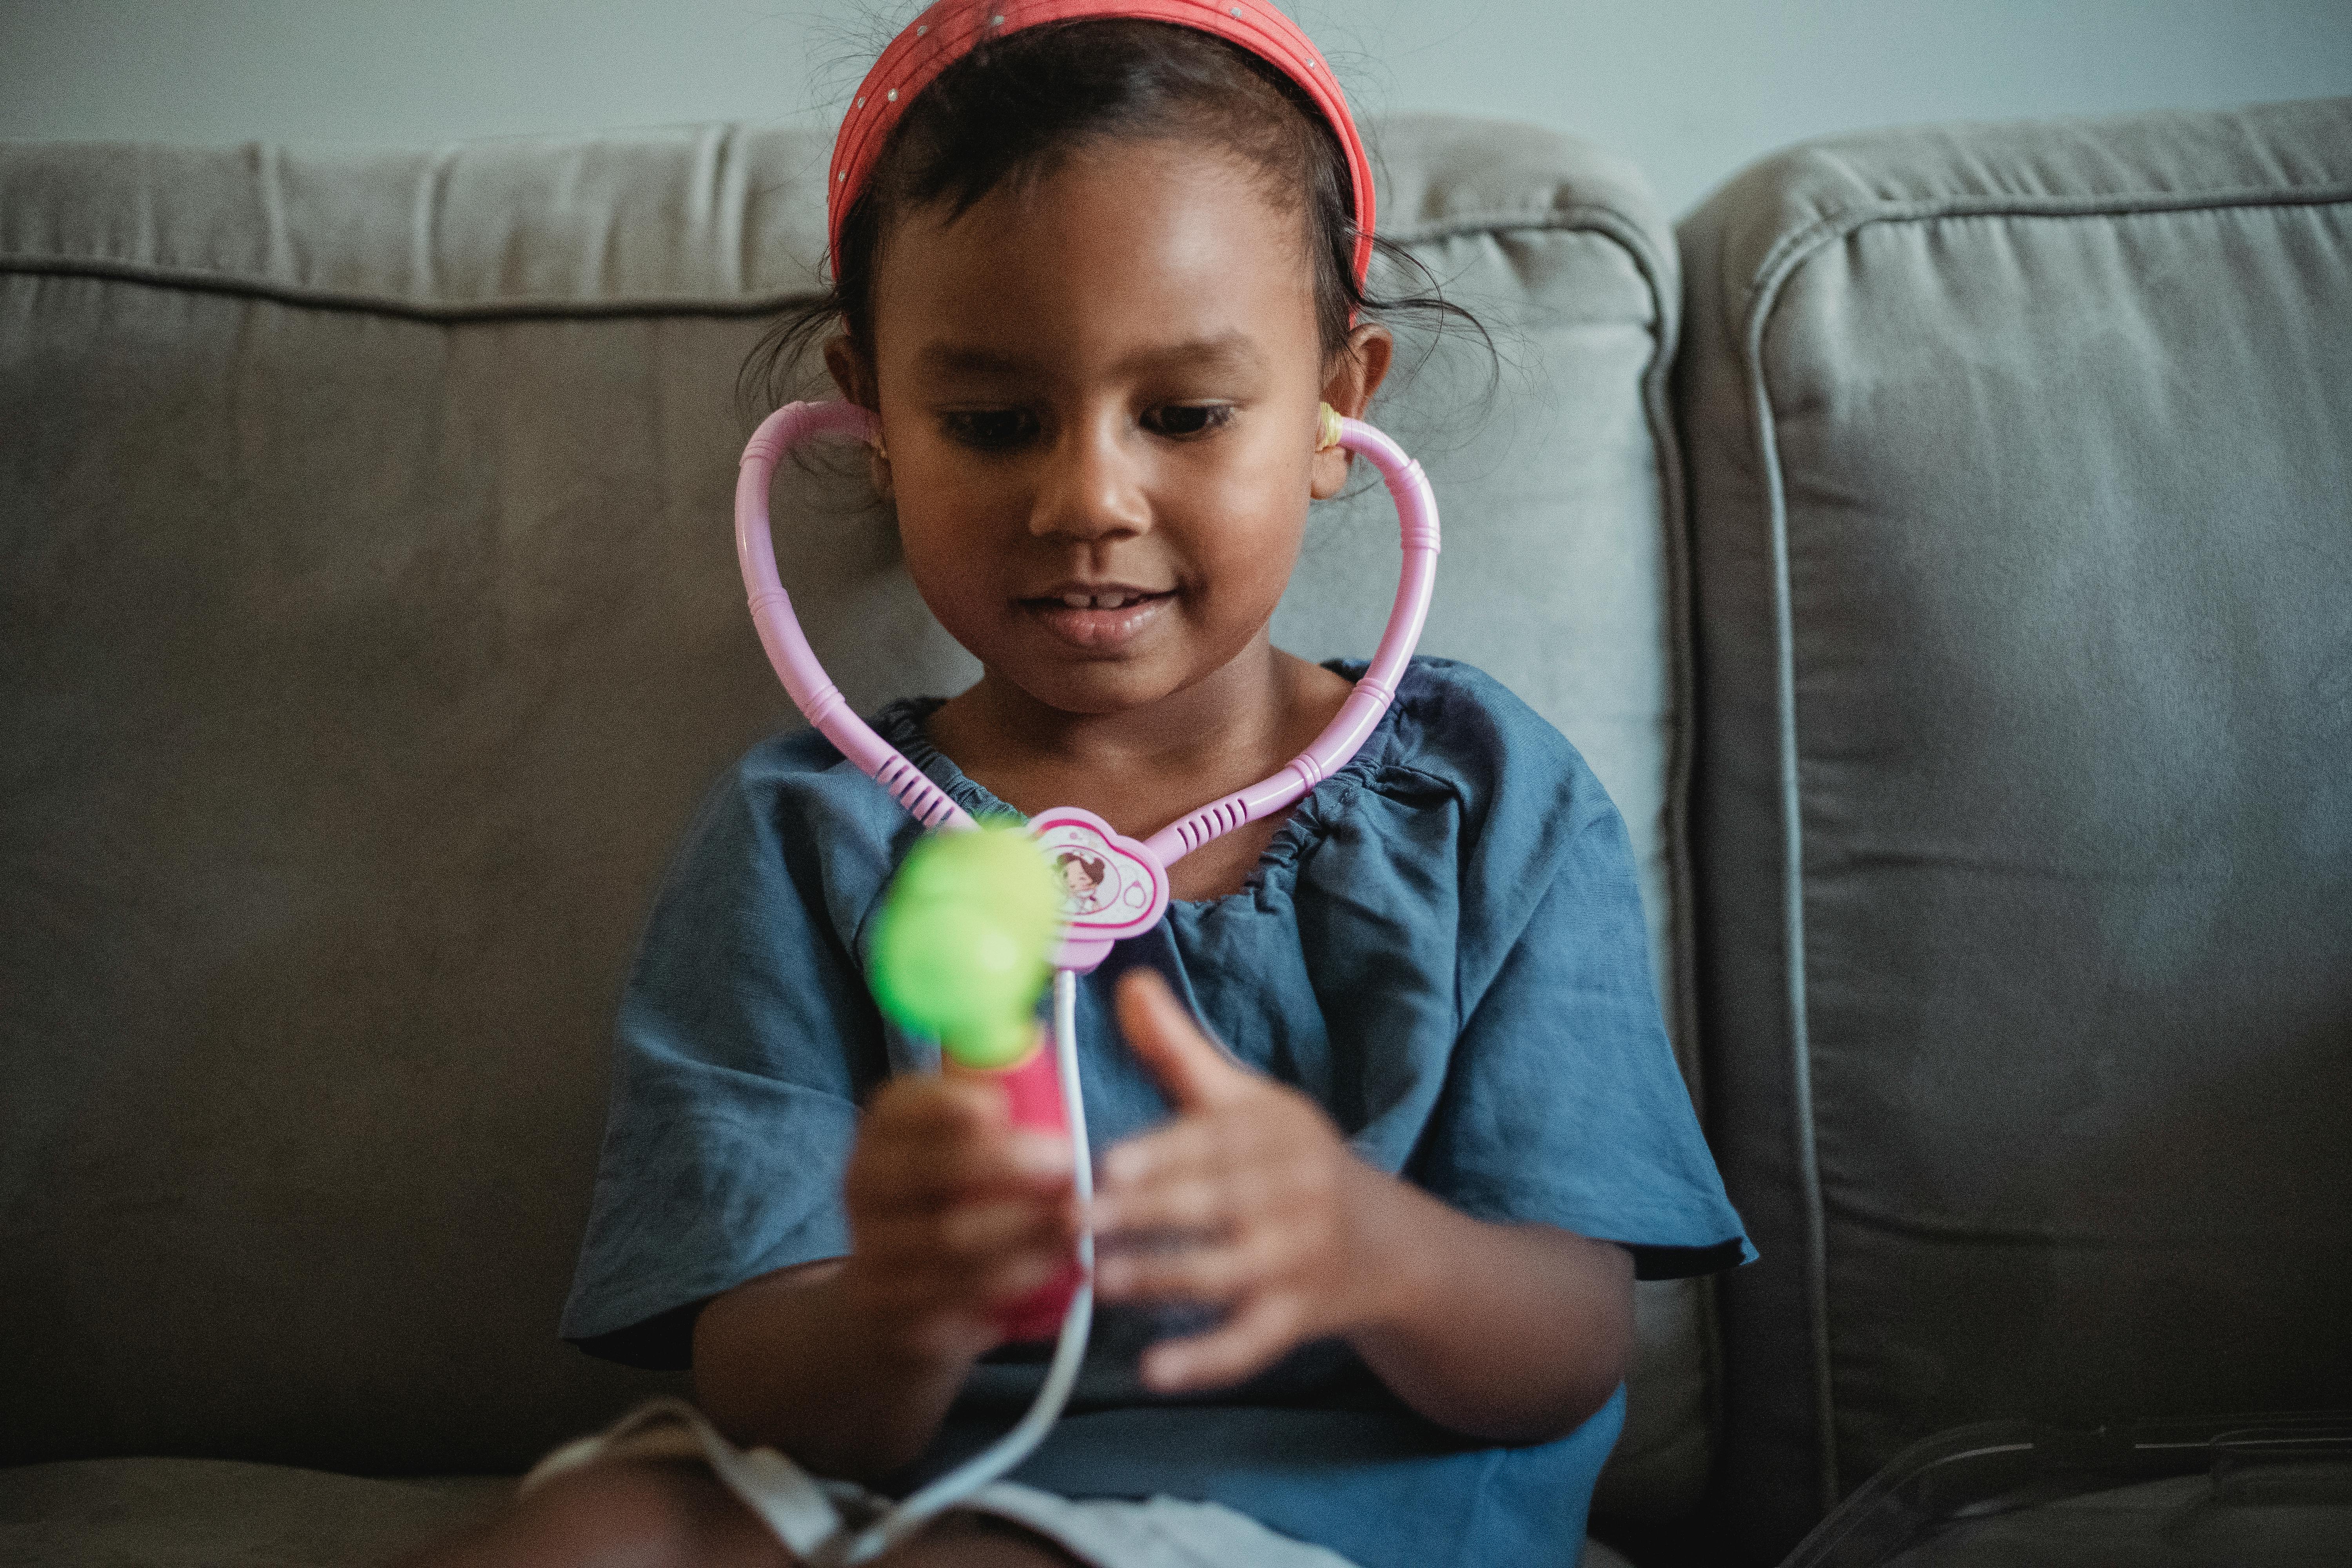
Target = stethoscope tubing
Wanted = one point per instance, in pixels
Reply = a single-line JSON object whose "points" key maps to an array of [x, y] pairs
{"points": [[821, 701], [1070, 1345]]}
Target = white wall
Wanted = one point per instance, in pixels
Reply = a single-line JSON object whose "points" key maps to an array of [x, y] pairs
{"points": [[1690, 88]]}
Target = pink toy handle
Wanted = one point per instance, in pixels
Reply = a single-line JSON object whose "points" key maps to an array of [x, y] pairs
{"points": [[812, 690], [1337, 746], [1033, 1094], [823, 706]]}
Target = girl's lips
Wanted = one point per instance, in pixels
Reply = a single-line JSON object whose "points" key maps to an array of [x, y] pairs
{"points": [[1099, 631]]}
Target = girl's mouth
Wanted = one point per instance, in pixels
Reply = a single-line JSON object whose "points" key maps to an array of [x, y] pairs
{"points": [[1099, 620]]}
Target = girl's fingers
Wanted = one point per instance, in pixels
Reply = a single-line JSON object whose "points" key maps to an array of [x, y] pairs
{"points": [[1194, 1070], [917, 1173], [982, 1229], [1252, 1340], [926, 1106], [1015, 1277], [909, 1277], [1212, 1273], [936, 1131], [1193, 1206], [1021, 1160], [1171, 1180], [1186, 1146], [954, 1212], [967, 1235]]}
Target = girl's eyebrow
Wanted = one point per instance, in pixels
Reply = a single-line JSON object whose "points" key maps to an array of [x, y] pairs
{"points": [[955, 359], [1227, 352]]}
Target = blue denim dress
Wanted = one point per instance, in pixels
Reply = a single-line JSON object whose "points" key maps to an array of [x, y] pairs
{"points": [[1443, 945]]}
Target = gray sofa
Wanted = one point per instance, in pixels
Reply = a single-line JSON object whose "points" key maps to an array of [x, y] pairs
{"points": [[1941, 553]]}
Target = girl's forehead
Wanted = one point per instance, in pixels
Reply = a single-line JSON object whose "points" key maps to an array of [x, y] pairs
{"points": [[1142, 241]]}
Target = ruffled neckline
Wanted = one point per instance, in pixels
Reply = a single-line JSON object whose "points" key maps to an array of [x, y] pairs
{"points": [[902, 724]]}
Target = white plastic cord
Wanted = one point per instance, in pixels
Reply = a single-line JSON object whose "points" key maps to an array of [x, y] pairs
{"points": [[1069, 1350]]}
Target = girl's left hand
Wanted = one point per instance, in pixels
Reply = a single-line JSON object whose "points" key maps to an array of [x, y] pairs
{"points": [[1249, 1199]]}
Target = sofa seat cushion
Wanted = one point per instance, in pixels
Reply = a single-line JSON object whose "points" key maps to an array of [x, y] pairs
{"points": [[166, 1513]]}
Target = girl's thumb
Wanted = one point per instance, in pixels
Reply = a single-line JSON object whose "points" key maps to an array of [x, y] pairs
{"points": [[1192, 1067]]}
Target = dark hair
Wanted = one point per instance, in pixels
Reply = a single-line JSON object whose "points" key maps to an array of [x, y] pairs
{"points": [[1015, 107]]}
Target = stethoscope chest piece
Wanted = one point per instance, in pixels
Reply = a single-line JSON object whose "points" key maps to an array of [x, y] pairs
{"points": [[1114, 887]]}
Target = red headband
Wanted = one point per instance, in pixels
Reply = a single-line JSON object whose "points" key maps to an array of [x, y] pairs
{"points": [[951, 29]]}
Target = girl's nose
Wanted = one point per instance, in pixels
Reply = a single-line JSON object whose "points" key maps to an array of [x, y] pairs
{"points": [[1092, 484]]}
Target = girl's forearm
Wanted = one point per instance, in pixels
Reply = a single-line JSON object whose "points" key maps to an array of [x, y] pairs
{"points": [[789, 1362], [1511, 1333]]}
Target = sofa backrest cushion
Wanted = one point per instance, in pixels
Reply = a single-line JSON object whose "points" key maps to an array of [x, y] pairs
{"points": [[2019, 470], [372, 627]]}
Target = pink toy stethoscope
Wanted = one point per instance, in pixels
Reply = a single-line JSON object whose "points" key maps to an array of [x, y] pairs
{"points": [[1127, 900]]}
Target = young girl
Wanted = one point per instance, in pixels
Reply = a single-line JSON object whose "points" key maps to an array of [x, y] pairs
{"points": [[1390, 1124]]}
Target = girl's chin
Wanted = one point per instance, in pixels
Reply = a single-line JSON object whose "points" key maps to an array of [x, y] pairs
{"points": [[1168, 655], [1096, 693], [1094, 688]]}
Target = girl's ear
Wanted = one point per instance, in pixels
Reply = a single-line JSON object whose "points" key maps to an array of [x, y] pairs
{"points": [[1357, 371], [853, 374]]}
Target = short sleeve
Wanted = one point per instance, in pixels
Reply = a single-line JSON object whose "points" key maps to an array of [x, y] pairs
{"points": [[1562, 1103], [745, 1042]]}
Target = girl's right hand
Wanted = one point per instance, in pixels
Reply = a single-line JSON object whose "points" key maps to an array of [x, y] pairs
{"points": [[953, 1213]]}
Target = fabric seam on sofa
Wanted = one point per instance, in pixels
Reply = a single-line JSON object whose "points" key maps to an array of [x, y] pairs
{"points": [[1767, 285], [1792, 250], [454, 311], [1580, 218]]}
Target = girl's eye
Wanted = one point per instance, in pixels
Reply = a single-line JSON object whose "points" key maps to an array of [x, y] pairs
{"points": [[990, 430], [1179, 420]]}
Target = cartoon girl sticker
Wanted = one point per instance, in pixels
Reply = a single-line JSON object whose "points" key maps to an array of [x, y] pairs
{"points": [[1082, 881]]}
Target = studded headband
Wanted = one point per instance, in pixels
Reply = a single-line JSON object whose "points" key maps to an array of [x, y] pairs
{"points": [[951, 29]]}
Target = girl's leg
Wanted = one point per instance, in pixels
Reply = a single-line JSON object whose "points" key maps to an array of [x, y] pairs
{"points": [[657, 1513], [974, 1541]]}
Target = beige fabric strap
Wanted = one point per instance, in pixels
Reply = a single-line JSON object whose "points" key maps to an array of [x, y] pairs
{"points": [[817, 1518], [779, 1491]]}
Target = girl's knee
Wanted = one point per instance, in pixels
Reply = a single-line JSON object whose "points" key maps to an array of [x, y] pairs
{"points": [[666, 1513], [974, 1541], [619, 1513]]}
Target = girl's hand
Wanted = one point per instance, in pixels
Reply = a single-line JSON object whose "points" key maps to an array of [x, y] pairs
{"points": [[1249, 1200], [952, 1215]]}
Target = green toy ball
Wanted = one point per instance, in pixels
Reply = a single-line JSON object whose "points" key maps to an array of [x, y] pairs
{"points": [[964, 942]]}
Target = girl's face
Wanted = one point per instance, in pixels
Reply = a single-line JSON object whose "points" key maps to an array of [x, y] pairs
{"points": [[1098, 397]]}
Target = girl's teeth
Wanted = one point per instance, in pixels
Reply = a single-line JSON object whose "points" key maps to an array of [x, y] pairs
{"points": [[1095, 601]]}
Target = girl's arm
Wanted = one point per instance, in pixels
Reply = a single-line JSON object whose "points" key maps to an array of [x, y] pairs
{"points": [[1510, 1332], [848, 1364]]}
